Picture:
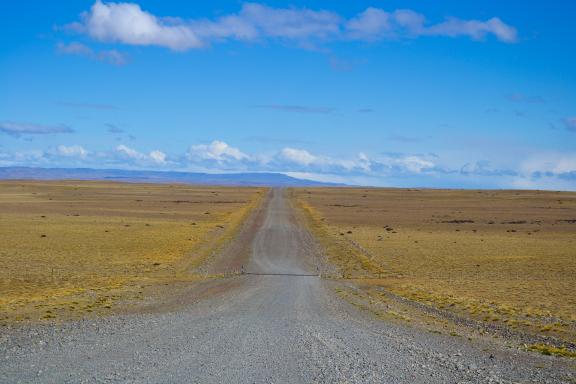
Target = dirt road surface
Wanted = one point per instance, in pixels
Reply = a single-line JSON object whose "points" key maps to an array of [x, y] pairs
{"points": [[275, 326]]}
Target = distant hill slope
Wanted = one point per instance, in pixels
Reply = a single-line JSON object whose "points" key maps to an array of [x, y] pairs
{"points": [[248, 179]]}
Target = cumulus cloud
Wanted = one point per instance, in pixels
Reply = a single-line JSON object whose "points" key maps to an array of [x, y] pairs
{"points": [[72, 151], [19, 128], [303, 160], [128, 152], [217, 151], [128, 23], [111, 56], [298, 156], [155, 157], [545, 170], [415, 164], [158, 156]]}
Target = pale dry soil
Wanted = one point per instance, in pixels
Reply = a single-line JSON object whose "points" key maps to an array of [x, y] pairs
{"points": [[277, 328]]}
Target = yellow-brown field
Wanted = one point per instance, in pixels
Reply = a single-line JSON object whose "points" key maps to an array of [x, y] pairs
{"points": [[72, 248], [504, 257]]}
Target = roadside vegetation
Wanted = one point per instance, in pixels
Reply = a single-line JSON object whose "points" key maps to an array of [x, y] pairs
{"points": [[71, 249], [504, 259]]}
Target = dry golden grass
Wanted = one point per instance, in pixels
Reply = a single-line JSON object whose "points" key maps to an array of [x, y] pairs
{"points": [[71, 248], [505, 257]]}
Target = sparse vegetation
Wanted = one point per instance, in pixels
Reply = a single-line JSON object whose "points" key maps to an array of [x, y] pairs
{"points": [[74, 248], [507, 258], [550, 350]]}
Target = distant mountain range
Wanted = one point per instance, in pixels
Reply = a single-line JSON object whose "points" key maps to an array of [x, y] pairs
{"points": [[240, 179]]}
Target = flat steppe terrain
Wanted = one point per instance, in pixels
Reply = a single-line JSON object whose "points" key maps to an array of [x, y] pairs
{"points": [[279, 322], [504, 259], [71, 249]]}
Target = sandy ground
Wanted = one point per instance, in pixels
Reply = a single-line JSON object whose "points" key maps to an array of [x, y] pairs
{"points": [[274, 326]]}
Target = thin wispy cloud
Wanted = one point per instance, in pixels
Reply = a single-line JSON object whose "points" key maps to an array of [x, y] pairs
{"points": [[570, 123], [522, 98], [86, 105], [110, 56], [297, 108], [112, 128], [22, 129], [128, 23], [343, 65]]}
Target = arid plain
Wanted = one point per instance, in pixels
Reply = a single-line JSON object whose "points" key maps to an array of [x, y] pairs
{"points": [[73, 249], [504, 259]]}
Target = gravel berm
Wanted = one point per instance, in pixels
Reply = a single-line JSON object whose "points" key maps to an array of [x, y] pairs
{"points": [[283, 324]]}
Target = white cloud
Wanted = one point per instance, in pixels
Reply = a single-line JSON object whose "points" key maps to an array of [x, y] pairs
{"points": [[475, 29], [19, 128], [374, 24], [128, 23], [415, 164], [217, 150], [72, 151], [158, 156], [370, 24], [155, 157], [412, 22], [545, 170], [291, 23], [290, 157], [364, 162], [128, 152], [298, 156], [32, 156], [304, 160], [549, 163]]}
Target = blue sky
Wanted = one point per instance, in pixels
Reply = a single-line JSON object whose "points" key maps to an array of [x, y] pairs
{"points": [[386, 93]]}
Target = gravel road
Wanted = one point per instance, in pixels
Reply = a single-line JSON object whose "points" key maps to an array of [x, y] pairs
{"points": [[277, 326]]}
